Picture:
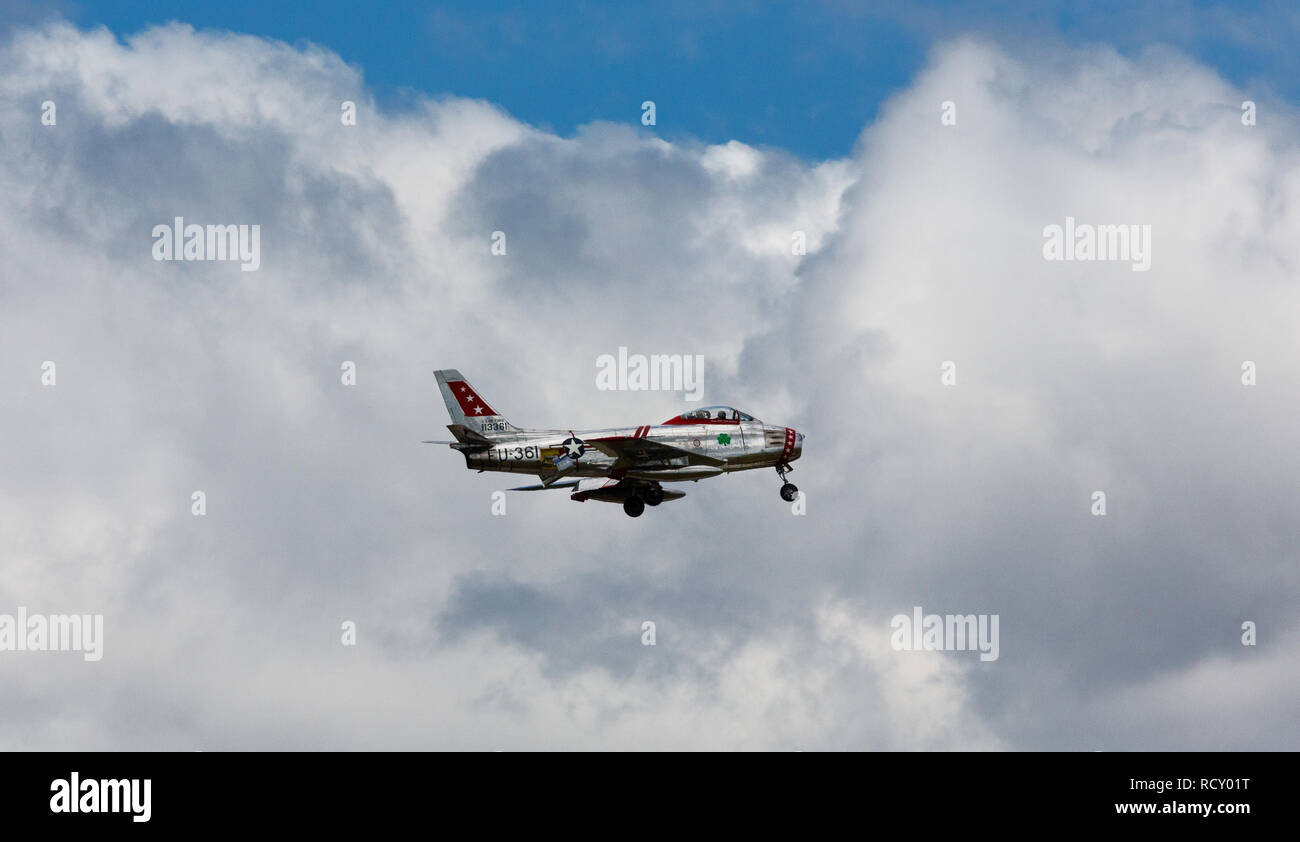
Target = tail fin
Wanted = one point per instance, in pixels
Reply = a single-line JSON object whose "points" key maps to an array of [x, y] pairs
{"points": [[469, 412]]}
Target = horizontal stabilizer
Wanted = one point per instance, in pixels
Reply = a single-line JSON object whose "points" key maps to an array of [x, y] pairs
{"points": [[473, 439]]}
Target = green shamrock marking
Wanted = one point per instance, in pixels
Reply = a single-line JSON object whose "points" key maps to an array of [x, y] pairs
{"points": [[724, 438]]}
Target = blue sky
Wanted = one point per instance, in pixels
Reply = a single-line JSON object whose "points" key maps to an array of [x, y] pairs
{"points": [[805, 77]]}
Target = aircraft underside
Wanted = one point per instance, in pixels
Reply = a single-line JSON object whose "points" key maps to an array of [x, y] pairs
{"points": [[603, 478]]}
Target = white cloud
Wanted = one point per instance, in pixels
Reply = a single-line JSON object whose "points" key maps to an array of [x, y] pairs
{"points": [[522, 631]]}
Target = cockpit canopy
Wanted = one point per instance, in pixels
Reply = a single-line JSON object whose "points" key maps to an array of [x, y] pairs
{"points": [[712, 415]]}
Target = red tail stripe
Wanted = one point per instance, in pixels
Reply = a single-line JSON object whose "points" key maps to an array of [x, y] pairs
{"points": [[471, 404]]}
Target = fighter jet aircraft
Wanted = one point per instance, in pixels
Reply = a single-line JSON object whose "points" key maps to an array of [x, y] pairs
{"points": [[620, 465]]}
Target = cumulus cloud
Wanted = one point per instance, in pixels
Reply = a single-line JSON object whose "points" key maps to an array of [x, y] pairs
{"points": [[523, 631]]}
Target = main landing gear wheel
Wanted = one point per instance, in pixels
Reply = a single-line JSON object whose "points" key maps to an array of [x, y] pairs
{"points": [[634, 506], [653, 495]]}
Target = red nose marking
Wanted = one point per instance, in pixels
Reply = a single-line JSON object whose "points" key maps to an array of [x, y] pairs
{"points": [[788, 450]]}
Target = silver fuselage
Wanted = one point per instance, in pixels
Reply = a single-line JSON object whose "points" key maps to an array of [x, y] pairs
{"points": [[741, 446]]}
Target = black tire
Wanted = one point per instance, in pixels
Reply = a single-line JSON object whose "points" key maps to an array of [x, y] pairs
{"points": [[653, 495], [634, 506], [789, 492]]}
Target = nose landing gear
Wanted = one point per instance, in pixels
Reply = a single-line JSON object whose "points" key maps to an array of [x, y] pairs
{"points": [[789, 491]]}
